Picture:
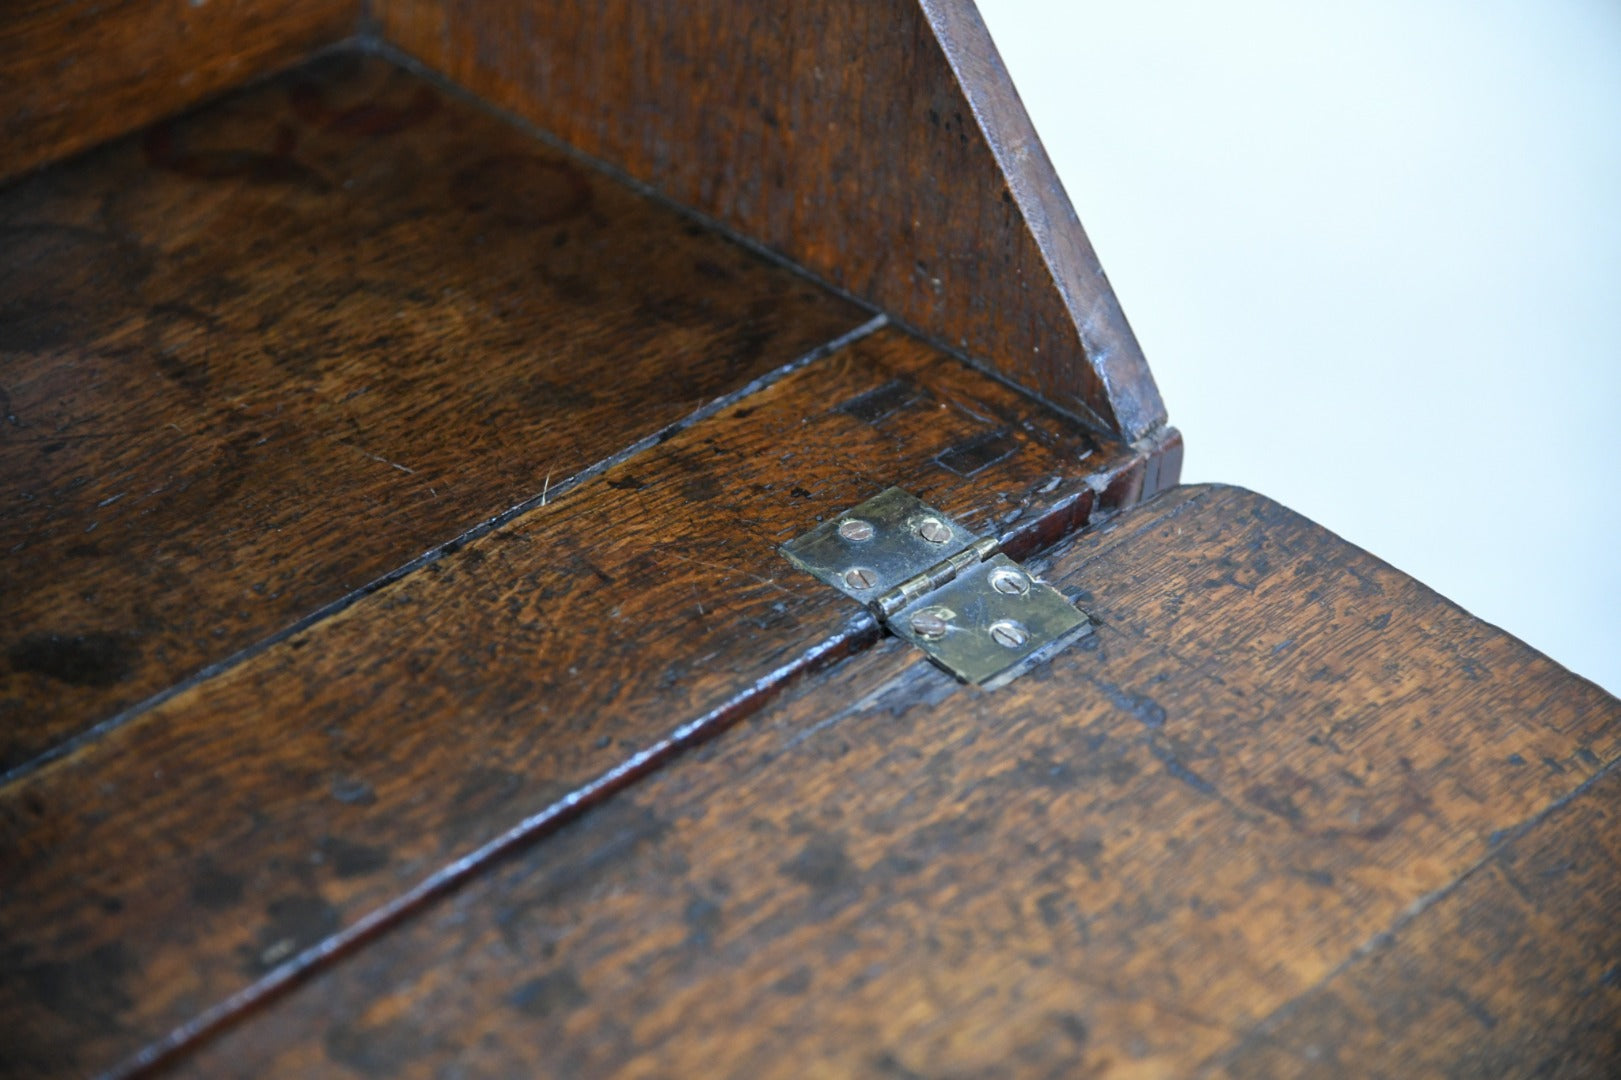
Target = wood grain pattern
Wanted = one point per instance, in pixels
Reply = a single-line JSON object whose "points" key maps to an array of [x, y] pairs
{"points": [[881, 145], [78, 72], [300, 793], [1272, 748], [253, 360], [1516, 972]]}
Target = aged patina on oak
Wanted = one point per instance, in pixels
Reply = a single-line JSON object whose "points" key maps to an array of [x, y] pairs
{"points": [[78, 72], [489, 687], [1159, 853], [880, 145], [260, 358], [1286, 811]]}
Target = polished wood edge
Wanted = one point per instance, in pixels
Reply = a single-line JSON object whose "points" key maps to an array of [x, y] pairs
{"points": [[1106, 337], [1194, 692]]}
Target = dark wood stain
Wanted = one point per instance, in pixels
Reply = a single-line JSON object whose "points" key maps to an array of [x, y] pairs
{"points": [[258, 357], [874, 405], [978, 453], [1069, 876], [79, 72], [881, 145], [322, 779]]}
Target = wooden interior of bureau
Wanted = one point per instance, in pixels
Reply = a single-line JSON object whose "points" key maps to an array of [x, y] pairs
{"points": [[402, 409]]}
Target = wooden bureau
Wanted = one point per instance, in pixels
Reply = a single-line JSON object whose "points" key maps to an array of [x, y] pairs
{"points": [[402, 411]]}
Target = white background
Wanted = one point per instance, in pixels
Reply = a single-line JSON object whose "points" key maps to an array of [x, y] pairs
{"points": [[1373, 254]]}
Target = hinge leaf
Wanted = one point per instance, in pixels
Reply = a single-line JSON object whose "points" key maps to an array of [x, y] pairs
{"points": [[976, 612]]}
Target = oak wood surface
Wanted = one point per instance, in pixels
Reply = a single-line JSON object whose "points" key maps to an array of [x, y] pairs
{"points": [[293, 801], [76, 72], [879, 144], [1515, 972], [254, 359], [1273, 751]]}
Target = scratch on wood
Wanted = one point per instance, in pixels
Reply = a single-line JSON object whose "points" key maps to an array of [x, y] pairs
{"points": [[385, 461]]}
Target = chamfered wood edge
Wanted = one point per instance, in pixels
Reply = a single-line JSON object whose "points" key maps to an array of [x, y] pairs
{"points": [[926, 237], [1159, 455], [1105, 335]]}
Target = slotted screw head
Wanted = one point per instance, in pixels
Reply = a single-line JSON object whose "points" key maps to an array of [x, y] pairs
{"points": [[856, 529], [859, 577], [1009, 582], [934, 530], [930, 623], [1009, 634]]}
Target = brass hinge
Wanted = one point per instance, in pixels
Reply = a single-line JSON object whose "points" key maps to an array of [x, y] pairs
{"points": [[976, 612]]}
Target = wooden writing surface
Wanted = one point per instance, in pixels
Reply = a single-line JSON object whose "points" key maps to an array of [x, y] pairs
{"points": [[1276, 760], [314, 788]]}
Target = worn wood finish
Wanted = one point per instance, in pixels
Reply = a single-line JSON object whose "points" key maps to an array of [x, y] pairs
{"points": [[300, 793], [1515, 972], [255, 359], [1272, 748], [881, 145], [77, 72]]}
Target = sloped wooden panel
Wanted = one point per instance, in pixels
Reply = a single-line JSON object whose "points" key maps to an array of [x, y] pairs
{"points": [[1282, 781], [337, 779], [881, 145]]}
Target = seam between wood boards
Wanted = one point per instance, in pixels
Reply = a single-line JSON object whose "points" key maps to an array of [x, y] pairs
{"points": [[97, 731], [860, 631], [857, 634], [1261, 1030]]}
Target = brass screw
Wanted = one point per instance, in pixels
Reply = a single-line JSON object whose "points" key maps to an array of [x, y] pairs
{"points": [[930, 624], [856, 529], [934, 530], [1009, 582], [859, 577], [1009, 634]]}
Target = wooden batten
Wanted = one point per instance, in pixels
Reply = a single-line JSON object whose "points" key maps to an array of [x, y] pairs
{"points": [[880, 145]]}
